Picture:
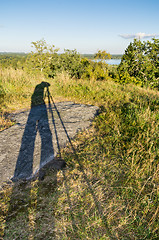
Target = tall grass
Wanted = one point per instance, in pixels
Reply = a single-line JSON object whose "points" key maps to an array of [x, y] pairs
{"points": [[121, 154], [16, 88], [109, 189]]}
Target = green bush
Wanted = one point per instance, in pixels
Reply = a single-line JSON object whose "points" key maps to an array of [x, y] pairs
{"points": [[96, 71], [70, 62]]}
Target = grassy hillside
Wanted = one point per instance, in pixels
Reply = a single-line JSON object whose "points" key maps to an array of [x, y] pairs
{"points": [[109, 189]]}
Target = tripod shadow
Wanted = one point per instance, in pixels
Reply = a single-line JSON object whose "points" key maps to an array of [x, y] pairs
{"points": [[81, 168]]}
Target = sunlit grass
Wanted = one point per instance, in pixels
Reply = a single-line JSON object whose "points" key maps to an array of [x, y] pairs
{"points": [[16, 89], [109, 189]]}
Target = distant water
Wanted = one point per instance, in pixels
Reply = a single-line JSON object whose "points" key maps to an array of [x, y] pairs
{"points": [[113, 61]]}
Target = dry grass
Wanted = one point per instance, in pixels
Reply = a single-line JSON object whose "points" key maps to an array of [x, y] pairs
{"points": [[16, 89], [5, 121], [109, 189]]}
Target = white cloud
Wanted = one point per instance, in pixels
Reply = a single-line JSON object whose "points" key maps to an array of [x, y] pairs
{"points": [[138, 35]]}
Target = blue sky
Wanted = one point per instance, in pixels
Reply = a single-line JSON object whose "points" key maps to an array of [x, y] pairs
{"points": [[85, 25]]}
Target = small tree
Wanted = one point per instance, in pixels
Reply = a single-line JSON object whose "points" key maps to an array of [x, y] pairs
{"points": [[102, 55], [101, 68], [140, 63], [43, 56]]}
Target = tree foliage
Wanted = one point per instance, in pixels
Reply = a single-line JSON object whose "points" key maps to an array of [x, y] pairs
{"points": [[71, 63], [100, 67], [46, 59], [140, 63], [42, 57], [102, 55]]}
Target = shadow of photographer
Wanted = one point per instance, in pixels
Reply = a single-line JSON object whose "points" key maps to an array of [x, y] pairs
{"points": [[37, 122], [24, 195]]}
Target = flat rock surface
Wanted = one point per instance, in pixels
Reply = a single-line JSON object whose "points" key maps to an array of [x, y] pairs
{"points": [[38, 135]]}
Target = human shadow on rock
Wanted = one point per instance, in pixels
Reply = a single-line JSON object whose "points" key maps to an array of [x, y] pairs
{"points": [[37, 122]]}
